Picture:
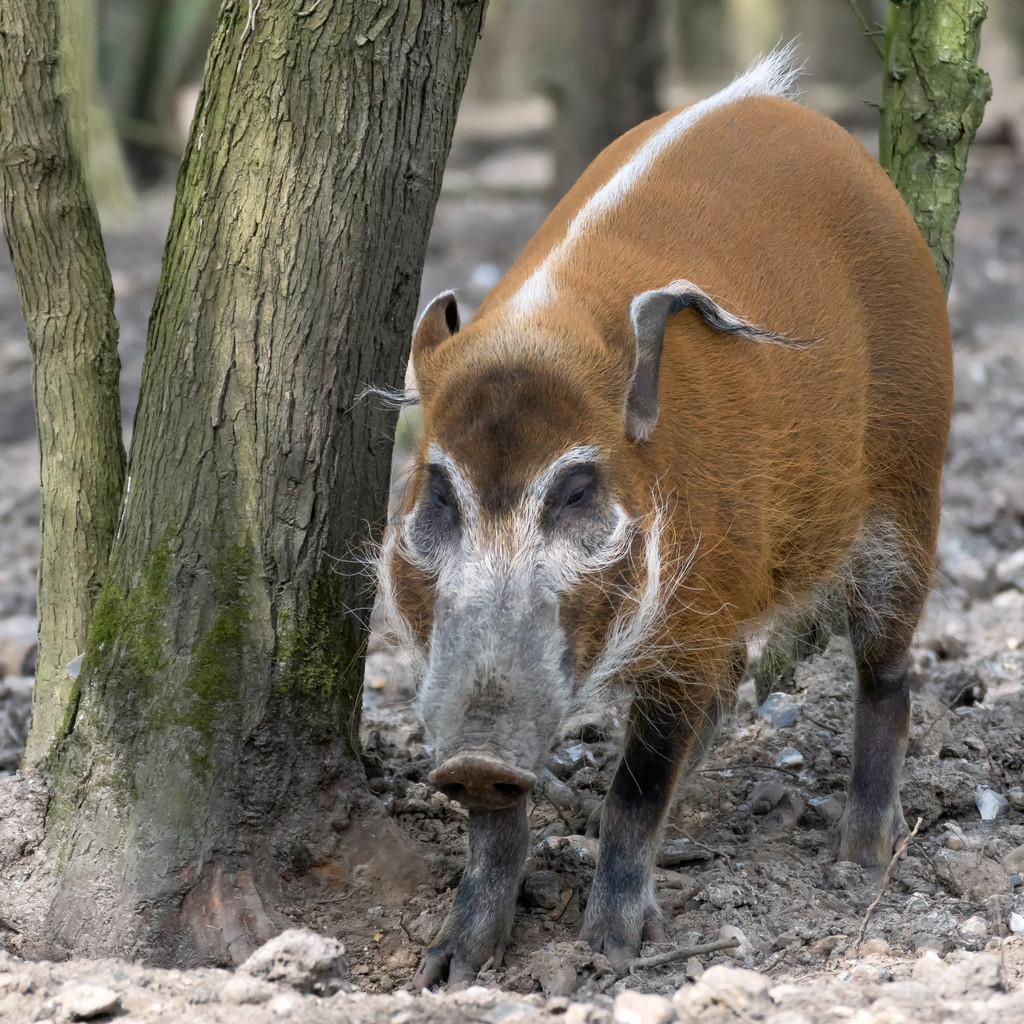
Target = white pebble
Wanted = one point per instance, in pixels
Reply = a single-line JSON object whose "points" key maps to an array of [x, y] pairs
{"points": [[82, 1002], [637, 1008], [991, 804]]}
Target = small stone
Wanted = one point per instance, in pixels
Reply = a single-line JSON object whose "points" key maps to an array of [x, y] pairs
{"points": [[245, 990], [578, 1013], [789, 757], [425, 927], [917, 903], [694, 969], [637, 1008], [83, 1002], [1010, 570], [765, 795], [299, 958], [779, 709], [990, 804], [736, 987], [929, 965], [575, 850], [681, 851], [730, 931], [968, 874], [557, 981], [1016, 798], [286, 1005], [974, 928], [874, 947], [825, 946], [828, 808], [1014, 860], [955, 838], [926, 942], [785, 814], [542, 889], [1015, 923]]}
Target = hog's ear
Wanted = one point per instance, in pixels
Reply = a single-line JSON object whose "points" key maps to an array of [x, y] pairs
{"points": [[648, 313], [438, 322]]}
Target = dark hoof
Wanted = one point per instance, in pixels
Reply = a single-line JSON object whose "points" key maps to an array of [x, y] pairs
{"points": [[447, 960]]}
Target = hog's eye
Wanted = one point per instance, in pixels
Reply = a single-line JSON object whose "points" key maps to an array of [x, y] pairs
{"points": [[580, 490], [440, 496], [574, 493]]}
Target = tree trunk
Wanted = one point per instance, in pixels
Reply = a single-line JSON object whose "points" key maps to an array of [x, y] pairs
{"points": [[933, 99], [610, 55], [92, 126], [214, 745], [66, 296]]}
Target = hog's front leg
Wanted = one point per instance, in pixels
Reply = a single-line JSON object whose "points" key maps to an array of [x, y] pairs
{"points": [[481, 917], [664, 740]]}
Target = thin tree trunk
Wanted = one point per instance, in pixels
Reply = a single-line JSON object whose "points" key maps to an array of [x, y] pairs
{"points": [[214, 742], [610, 56], [933, 99], [92, 127], [66, 296]]}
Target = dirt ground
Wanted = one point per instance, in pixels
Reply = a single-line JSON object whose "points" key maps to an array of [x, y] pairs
{"points": [[747, 852]]}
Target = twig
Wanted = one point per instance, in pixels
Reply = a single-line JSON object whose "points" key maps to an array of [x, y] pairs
{"points": [[900, 850], [727, 857], [775, 959], [867, 29], [1002, 951], [759, 767], [682, 953]]}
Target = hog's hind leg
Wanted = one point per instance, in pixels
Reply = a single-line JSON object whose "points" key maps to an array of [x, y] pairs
{"points": [[664, 741], [885, 592], [480, 920]]}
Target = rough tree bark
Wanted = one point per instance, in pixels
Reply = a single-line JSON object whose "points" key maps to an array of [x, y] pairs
{"points": [[213, 745], [609, 57], [51, 227], [933, 99]]}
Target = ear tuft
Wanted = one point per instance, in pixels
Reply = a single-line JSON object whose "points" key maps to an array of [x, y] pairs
{"points": [[437, 323]]}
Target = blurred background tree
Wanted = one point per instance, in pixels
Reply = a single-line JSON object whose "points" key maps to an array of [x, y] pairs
{"points": [[151, 52], [580, 71]]}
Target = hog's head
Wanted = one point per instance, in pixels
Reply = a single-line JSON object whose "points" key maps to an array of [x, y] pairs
{"points": [[522, 539]]}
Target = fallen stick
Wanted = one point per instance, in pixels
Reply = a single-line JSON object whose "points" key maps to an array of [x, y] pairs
{"points": [[900, 850], [682, 953]]}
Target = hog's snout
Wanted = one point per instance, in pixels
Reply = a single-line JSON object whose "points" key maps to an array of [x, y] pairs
{"points": [[482, 782]]}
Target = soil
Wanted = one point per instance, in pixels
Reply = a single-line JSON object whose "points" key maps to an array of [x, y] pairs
{"points": [[748, 848]]}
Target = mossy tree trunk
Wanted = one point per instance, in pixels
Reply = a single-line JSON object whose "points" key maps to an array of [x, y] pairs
{"points": [[603, 77], [933, 99], [51, 227], [214, 741]]}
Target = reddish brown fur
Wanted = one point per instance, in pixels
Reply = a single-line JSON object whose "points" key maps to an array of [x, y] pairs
{"points": [[776, 460]]}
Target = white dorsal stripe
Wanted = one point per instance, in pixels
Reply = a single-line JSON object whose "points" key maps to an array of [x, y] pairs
{"points": [[772, 75]]}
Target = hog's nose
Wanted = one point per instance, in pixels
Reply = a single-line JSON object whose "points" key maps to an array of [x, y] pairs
{"points": [[482, 782]]}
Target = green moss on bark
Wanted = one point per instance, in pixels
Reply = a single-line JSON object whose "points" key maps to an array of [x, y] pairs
{"points": [[132, 621], [933, 98], [319, 655]]}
